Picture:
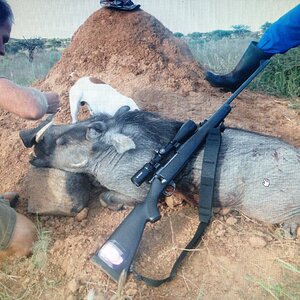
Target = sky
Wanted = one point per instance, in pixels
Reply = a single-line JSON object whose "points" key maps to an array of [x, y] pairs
{"points": [[61, 18]]}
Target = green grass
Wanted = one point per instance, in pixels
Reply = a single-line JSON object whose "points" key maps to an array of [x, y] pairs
{"points": [[280, 78], [219, 56], [289, 288], [11, 286], [40, 249], [17, 68], [288, 266]]}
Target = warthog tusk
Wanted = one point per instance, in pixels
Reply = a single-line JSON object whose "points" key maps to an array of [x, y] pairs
{"points": [[81, 164], [42, 131], [32, 155]]}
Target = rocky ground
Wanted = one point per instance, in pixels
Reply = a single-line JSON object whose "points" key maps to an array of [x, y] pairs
{"points": [[238, 258]]}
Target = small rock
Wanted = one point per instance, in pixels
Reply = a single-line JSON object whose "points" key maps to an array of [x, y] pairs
{"points": [[57, 245], [73, 285], [173, 201], [230, 230], [131, 292], [81, 289], [170, 202], [220, 226], [82, 215], [224, 211], [221, 233], [268, 238], [130, 285], [95, 295], [84, 223], [257, 242], [231, 221]]}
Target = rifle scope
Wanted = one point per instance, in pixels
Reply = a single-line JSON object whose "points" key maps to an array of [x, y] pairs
{"points": [[184, 132]]}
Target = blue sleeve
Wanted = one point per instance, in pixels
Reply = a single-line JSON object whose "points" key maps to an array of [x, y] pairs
{"points": [[282, 35]]}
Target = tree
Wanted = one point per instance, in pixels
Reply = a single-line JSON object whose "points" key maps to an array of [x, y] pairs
{"points": [[195, 35], [219, 34], [265, 27], [31, 45], [178, 34], [240, 30], [13, 46]]}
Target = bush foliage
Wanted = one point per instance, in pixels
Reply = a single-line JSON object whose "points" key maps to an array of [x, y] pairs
{"points": [[19, 69], [221, 50], [28, 60]]}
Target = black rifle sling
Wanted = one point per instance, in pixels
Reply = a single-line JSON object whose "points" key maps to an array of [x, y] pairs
{"points": [[206, 192]]}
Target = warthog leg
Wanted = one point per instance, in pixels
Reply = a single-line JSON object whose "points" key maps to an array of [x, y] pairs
{"points": [[114, 200]]}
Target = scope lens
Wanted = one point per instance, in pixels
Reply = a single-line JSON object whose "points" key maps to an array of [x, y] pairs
{"points": [[141, 175]]}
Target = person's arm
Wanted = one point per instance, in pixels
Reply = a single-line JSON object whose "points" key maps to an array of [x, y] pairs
{"points": [[27, 103]]}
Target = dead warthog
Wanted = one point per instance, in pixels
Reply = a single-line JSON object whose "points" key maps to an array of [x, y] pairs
{"points": [[256, 174]]}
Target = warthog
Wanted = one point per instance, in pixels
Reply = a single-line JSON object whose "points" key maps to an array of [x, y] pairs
{"points": [[256, 174]]}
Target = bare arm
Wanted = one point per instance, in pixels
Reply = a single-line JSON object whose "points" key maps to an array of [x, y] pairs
{"points": [[27, 103]]}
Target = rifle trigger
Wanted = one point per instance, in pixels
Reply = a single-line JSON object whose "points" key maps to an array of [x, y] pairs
{"points": [[170, 189]]}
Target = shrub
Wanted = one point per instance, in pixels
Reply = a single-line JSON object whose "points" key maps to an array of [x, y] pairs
{"points": [[18, 69], [282, 75], [280, 78]]}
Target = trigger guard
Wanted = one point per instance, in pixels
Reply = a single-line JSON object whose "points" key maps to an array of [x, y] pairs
{"points": [[170, 189]]}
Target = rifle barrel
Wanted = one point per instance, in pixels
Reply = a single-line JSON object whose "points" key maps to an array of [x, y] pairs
{"points": [[262, 65]]}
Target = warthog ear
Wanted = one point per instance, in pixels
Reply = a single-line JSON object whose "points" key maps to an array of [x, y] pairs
{"points": [[121, 142], [122, 110], [95, 130]]}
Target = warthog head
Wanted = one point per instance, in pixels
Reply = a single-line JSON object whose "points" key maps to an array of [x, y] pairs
{"points": [[99, 140]]}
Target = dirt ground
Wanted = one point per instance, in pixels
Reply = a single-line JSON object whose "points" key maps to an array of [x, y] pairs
{"points": [[239, 257]]}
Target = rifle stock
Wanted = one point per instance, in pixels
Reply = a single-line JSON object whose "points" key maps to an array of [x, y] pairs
{"points": [[118, 252]]}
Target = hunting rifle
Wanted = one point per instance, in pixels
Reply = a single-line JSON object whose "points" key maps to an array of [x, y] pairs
{"points": [[116, 255]]}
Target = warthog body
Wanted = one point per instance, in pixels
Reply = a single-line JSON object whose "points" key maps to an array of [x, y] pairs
{"points": [[256, 174]]}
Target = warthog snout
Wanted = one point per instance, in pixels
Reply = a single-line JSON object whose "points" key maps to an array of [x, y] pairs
{"points": [[33, 136]]}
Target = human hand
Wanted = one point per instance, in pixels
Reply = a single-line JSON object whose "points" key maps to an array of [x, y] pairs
{"points": [[53, 102], [22, 239]]}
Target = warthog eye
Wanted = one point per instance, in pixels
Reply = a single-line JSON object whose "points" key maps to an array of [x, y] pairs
{"points": [[95, 130], [61, 141]]}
